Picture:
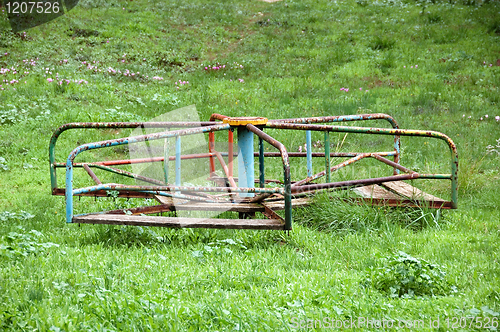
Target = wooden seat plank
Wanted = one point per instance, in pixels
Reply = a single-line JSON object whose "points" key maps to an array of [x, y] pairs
{"points": [[174, 222], [228, 206], [407, 190], [375, 191]]}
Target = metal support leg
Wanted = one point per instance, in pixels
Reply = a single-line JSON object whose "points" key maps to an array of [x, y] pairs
{"points": [[262, 181], [309, 153], [177, 160], [327, 156]]}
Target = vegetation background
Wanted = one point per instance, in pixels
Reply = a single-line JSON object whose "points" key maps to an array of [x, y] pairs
{"points": [[433, 65]]}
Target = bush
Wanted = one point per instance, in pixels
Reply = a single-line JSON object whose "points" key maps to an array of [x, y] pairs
{"points": [[405, 276]]}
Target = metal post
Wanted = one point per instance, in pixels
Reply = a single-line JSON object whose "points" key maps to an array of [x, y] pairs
{"points": [[178, 160], [262, 178], [69, 190], [309, 153], [230, 138], [165, 159], [327, 156], [211, 147], [288, 199], [245, 160]]}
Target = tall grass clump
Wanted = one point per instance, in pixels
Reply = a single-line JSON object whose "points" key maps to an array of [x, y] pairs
{"points": [[339, 213]]}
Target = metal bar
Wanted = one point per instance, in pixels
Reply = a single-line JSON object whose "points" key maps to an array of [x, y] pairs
{"points": [[262, 178], [178, 160], [332, 169], [211, 146], [226, 170], [327, 156], [139, 160], [103, 193], [260, 197], [130, 175], [216, 116], [286, 170], [166, 159], [206, 155], [159, 189], [322, 154], [353, 183], [308, 153], [230, 153], [92, 174], [393, 164], [341, 118]]}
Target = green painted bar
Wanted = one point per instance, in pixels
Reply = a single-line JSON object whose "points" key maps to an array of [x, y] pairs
{"points": [[327, 156]]}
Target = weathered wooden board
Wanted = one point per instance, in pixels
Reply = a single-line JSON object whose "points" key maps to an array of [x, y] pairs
{"points": [[375, 191], [174, 222], [411, 192], [227, 206], [296, 202]]}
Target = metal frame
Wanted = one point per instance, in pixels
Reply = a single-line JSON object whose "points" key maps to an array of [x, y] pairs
{"points": [[250, 194]]}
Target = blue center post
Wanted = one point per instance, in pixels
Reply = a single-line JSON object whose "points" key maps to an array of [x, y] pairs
{"points": [[246, 169], [246, 174]]}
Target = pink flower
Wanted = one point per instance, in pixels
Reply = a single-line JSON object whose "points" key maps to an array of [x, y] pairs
{"points": [[486, 116], [416, 66], [300, 148], [360, 89], [497, 118], [49, 79]]}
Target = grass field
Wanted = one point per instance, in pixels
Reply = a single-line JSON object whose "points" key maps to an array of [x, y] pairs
{"points": [[432, 65]]}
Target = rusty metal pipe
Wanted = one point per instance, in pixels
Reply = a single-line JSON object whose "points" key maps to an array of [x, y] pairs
{"points": [[353, 183], [391, 163], [92, 174], [332, 169], [226, 170], [286, 171]]}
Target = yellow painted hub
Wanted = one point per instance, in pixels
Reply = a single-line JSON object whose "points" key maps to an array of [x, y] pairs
{"points": [[243, 121]]}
